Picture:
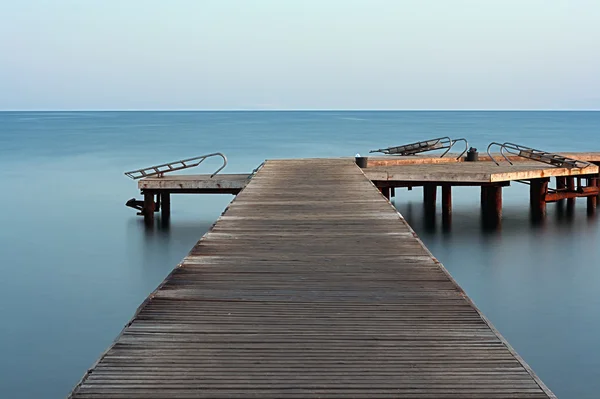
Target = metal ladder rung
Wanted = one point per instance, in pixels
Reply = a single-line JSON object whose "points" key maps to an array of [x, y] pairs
{"points": [[423, 146], [536, 155], [159, 170]]}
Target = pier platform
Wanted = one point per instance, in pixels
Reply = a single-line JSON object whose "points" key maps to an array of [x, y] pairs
{"points": [[310, 284], [470, 173], [389, 173]]}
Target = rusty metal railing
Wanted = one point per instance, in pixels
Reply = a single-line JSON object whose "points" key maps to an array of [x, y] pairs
{"points": [[536, 155], [424, 146], [160, 170]]}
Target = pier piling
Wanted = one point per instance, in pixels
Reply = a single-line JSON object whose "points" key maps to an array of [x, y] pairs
{"points": [[491, 204], [537, 197], [430, 197], [148, 210], [166, 205], [592, 200]]}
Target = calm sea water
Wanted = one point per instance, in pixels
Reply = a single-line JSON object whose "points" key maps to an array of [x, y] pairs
{"points": [[76, 263]]}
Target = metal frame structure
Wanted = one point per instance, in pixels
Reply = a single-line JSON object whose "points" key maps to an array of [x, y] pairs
{"points": [[424, 146], [160, 170], [536, 155]]}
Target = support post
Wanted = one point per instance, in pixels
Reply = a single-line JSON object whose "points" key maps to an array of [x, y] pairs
{"points": [[385, 191], [491, 206], [430, 197], [429, 203], [148, 210], [537, 197], [592, 200], [446, 206], [570, 201], [393, 192], [166, 204], [561, 185]]}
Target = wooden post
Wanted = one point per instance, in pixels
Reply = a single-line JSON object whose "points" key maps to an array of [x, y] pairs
{"points": [[429, 193], [157, 203], [393, 192], [491, 206], [593, 200], [148, 210], [166, 204], [570, 201], [446, 199], [430, 197], [561, 185], [385, 191], [537, 197], [429, 203], [446, 207]]}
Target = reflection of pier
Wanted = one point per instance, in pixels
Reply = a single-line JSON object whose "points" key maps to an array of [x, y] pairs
{"points": [[309, 285], [430, 173]]}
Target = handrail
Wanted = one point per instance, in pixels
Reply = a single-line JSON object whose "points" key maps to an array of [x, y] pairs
{"points": [[159, 170], [454, 142], [535, 155], [424, 146]]}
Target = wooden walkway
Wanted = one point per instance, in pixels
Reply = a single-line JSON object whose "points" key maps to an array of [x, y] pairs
{"points": [[310, 285]]}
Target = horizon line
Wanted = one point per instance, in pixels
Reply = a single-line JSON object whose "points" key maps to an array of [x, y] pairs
{"points": [[312, 110]]}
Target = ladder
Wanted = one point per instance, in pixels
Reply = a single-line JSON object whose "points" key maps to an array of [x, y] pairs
{"points": [[160, 170], [536, 155], [423, 146]]}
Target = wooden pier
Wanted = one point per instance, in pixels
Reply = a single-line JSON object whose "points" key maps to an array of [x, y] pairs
{"points": [[157, 190], [389, 173], [310, 285]]}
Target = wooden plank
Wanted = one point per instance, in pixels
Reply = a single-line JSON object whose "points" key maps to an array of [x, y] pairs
{"points": [[469, 172], [310, 285], [195, 182]]}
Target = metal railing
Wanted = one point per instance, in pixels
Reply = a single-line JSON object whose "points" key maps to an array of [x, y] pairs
{"points": [[160, 170], [424, 146], [536, 155]]}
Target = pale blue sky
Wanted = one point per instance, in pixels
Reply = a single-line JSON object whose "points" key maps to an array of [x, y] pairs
{"points": [[325, 54]]}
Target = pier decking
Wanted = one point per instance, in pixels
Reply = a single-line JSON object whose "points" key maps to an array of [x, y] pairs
{"points": [[471, 173], [310, 285]]}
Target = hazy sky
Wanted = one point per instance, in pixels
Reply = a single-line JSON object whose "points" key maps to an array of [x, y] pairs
{"points": [[283, 54]]}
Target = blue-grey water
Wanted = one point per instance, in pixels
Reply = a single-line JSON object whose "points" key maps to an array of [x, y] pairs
{"points": [[76, 263]]}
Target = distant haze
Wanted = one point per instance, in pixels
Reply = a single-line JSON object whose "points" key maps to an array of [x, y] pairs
{"points": [[325, 54]]}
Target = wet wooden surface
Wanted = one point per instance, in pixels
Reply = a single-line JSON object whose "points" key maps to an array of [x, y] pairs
{"points": [[309, 285]]}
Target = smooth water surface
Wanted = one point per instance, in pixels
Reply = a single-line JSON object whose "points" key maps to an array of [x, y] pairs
{"points": [[76, 262]]}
